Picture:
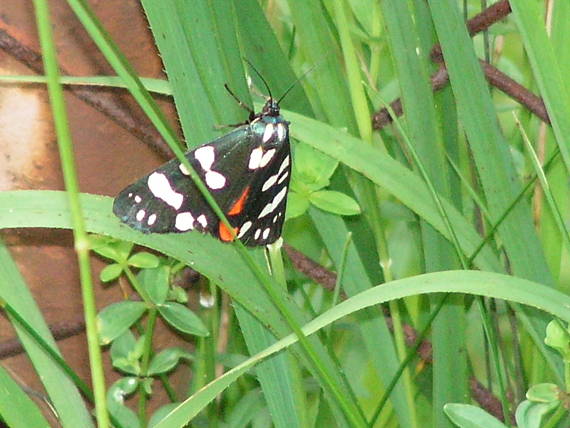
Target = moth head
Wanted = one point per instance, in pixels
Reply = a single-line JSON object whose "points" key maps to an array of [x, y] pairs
{"points": [[271, 108]]}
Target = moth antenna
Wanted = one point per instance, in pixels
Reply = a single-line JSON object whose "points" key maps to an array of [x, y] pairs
{"points": [[260, 76], [240, 102], [302, 76]]}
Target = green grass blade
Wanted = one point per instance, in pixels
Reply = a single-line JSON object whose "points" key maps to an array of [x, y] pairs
{"points": [[545, 185], [198, 64], [157, 86], [492, 158], [469, 282], [477, 114], [314, 32], [64, 395], [450, 362], [81, 241], [16, 408], [546, 70]]}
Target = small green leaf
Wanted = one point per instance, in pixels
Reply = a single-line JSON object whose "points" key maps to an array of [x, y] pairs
{"points": [[544, 393], [182, 319], [127, 366], [530, 414], [468, 416], [110, 272], [116, 398], [125, 353], [123, 346], [334, 202], [147, 385], [143, 260], [312, 169], [178, 294], [155, 283], [111, 248], [115, 319], [166, 360], [297, 204], [557, 337]]}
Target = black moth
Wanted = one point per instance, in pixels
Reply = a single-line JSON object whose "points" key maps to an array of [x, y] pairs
{"points": [[247, 171]]}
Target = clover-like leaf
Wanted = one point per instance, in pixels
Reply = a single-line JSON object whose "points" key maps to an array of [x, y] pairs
{"points": [[110, 272], [182, 319], [115, 319], [143, 260]]}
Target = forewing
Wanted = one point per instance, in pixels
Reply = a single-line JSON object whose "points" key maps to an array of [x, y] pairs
{"points": [[168, 201]]}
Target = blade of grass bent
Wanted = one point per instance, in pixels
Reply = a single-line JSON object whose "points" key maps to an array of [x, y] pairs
{"points": [[470, 282], [47, 209]]}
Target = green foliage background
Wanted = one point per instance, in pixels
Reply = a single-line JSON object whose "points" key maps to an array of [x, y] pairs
{"points": [[419, 213]]}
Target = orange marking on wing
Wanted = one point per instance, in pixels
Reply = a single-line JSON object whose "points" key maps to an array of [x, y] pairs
{"points": [[225, 234], [238, 205]]}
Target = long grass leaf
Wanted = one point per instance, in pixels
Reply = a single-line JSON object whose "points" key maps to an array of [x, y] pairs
{"points": [[64, 395], [81, 239]]}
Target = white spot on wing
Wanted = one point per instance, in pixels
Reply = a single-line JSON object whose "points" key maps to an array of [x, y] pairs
{"points": [[160, 187], [138, 199], [268, 133], [279, 197], [206, 156], [202, 220], [281, 131], [257, 233], [215, 180], [140, 215], [184, 221], [267, 156], [151, 219], [283, 177], [269, 182], [266, 233], [244, 228], [255, 158], [284, 164], [274, 203], [183, 169]]}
